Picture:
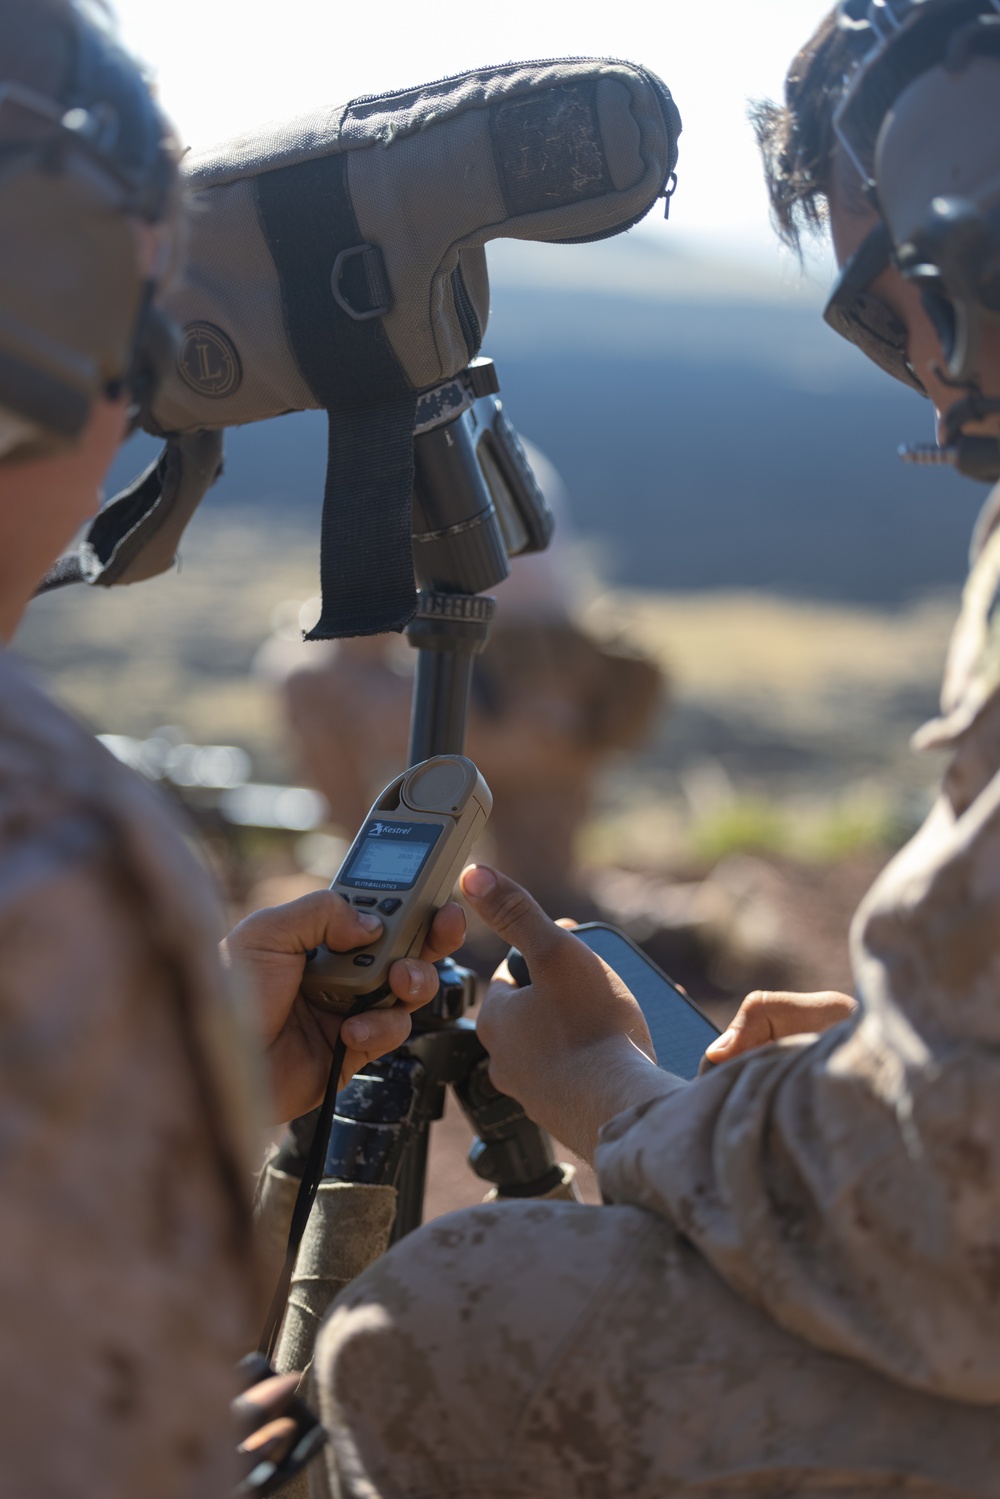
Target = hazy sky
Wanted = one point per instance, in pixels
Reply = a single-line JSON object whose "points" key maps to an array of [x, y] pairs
{"points": [[224, 65]]}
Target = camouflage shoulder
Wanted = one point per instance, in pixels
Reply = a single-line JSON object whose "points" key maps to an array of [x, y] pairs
{"points": [[48, 809], [55, 777], [972, 675], [66, 802]]}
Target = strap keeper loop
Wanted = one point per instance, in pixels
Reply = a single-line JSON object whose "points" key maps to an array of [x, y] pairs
{"points": [[373, 283]]}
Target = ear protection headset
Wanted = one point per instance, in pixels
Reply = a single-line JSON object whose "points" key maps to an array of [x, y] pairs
{"points": [[930, 71], [77, 314]]}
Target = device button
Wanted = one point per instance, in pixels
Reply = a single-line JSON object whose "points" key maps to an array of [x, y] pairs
{"points": [[365, 900], [364, 960], [389, 907]]}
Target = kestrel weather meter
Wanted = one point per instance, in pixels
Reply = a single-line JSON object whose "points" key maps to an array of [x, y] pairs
{"points": [[401, 867]]}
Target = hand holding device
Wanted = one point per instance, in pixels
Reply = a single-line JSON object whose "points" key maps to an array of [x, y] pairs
{"points": [[574, 1049], [271, 946], [402, 866], [680, 1033]]}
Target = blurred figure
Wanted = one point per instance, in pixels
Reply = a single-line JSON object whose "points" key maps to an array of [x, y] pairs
{"points": [[551, 706]]}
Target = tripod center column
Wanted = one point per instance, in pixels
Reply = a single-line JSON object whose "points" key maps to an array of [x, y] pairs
{"points": [[449, 631]]}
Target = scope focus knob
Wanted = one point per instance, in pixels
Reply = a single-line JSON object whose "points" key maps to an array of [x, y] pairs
{"points": [[483, 378]]}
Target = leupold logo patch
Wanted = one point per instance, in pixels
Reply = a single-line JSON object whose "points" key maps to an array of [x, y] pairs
{"points": [[209, 364]]}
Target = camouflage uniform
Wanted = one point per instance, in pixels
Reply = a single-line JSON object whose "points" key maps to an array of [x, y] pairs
{"points": [[125, 1273], [797, 1288]]}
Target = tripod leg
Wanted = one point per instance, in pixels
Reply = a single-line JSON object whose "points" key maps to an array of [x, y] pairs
{"points": [[411, 1183]]}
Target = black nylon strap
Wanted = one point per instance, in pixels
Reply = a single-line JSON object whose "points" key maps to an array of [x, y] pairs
{"points": [[367, 553], [367, 550], [125, 514], [137, 534]]}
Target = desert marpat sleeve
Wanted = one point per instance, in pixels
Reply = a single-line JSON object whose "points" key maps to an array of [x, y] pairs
{"points": [[126, 1277], [851, 1186]]}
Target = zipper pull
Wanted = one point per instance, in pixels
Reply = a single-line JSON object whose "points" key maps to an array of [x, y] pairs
{"points": [[668, 193]]}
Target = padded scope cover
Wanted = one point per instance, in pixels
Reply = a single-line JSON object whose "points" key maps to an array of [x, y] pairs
{"points": [[338, 262]]}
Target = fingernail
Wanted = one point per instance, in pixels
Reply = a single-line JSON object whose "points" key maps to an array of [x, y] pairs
{"points": [[722, 1044], [416, 978], [271, 1441], [479, 881], [264, 1451], [358, 1032], [370, 923]]}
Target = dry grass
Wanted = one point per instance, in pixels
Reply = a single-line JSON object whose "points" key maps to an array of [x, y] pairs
{"points": [[727, 647], [180, 649], [789, 719]]}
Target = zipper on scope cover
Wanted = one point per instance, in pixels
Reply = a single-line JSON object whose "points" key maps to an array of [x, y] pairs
{"points": [[668, 109], [467, 319], [498, 67], [672, 120]]}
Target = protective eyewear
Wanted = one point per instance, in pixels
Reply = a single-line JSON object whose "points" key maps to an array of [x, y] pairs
{"points": [[863, 318]]}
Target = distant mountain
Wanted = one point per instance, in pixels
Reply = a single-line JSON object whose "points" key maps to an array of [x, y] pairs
{"points": [[711, 431]]}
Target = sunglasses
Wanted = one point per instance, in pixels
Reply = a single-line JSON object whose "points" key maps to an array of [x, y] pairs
{"points": [[863, 318]]}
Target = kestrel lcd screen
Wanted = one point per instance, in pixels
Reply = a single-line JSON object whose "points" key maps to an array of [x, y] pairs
{"points": [[391, 855]]}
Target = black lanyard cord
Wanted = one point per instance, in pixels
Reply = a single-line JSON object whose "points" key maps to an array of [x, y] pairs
{"points": [[309, 1186]]}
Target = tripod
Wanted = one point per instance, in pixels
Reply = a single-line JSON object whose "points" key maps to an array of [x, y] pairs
{"points": [[464, 530], [381, 1131]]}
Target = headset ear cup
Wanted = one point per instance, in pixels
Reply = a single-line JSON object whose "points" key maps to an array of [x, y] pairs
{"points": [[946, 258], [937, 175], [941, 313], [70, 294], [963, 363]]}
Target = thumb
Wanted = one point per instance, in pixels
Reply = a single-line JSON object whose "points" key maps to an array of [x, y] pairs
{"points": [[751, 1028], [322, 917], [512, 913]]}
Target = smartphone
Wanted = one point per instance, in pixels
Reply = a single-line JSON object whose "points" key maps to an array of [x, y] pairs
{"points": [[680, 1032]]}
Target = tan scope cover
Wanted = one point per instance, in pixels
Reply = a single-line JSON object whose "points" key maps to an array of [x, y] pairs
{"points": [[337, 262], [559, 150]]}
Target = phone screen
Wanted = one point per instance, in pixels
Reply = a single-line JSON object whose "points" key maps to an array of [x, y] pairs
{"points": [[679, 1031]]}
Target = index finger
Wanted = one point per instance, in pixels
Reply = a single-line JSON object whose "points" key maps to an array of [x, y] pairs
{"points": [[512, 913]]}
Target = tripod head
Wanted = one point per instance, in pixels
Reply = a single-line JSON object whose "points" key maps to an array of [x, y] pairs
{"points": [[476, 504], [476, 501]]}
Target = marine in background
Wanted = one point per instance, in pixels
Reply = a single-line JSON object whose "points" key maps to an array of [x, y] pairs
{"points": [[553, 706]]}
